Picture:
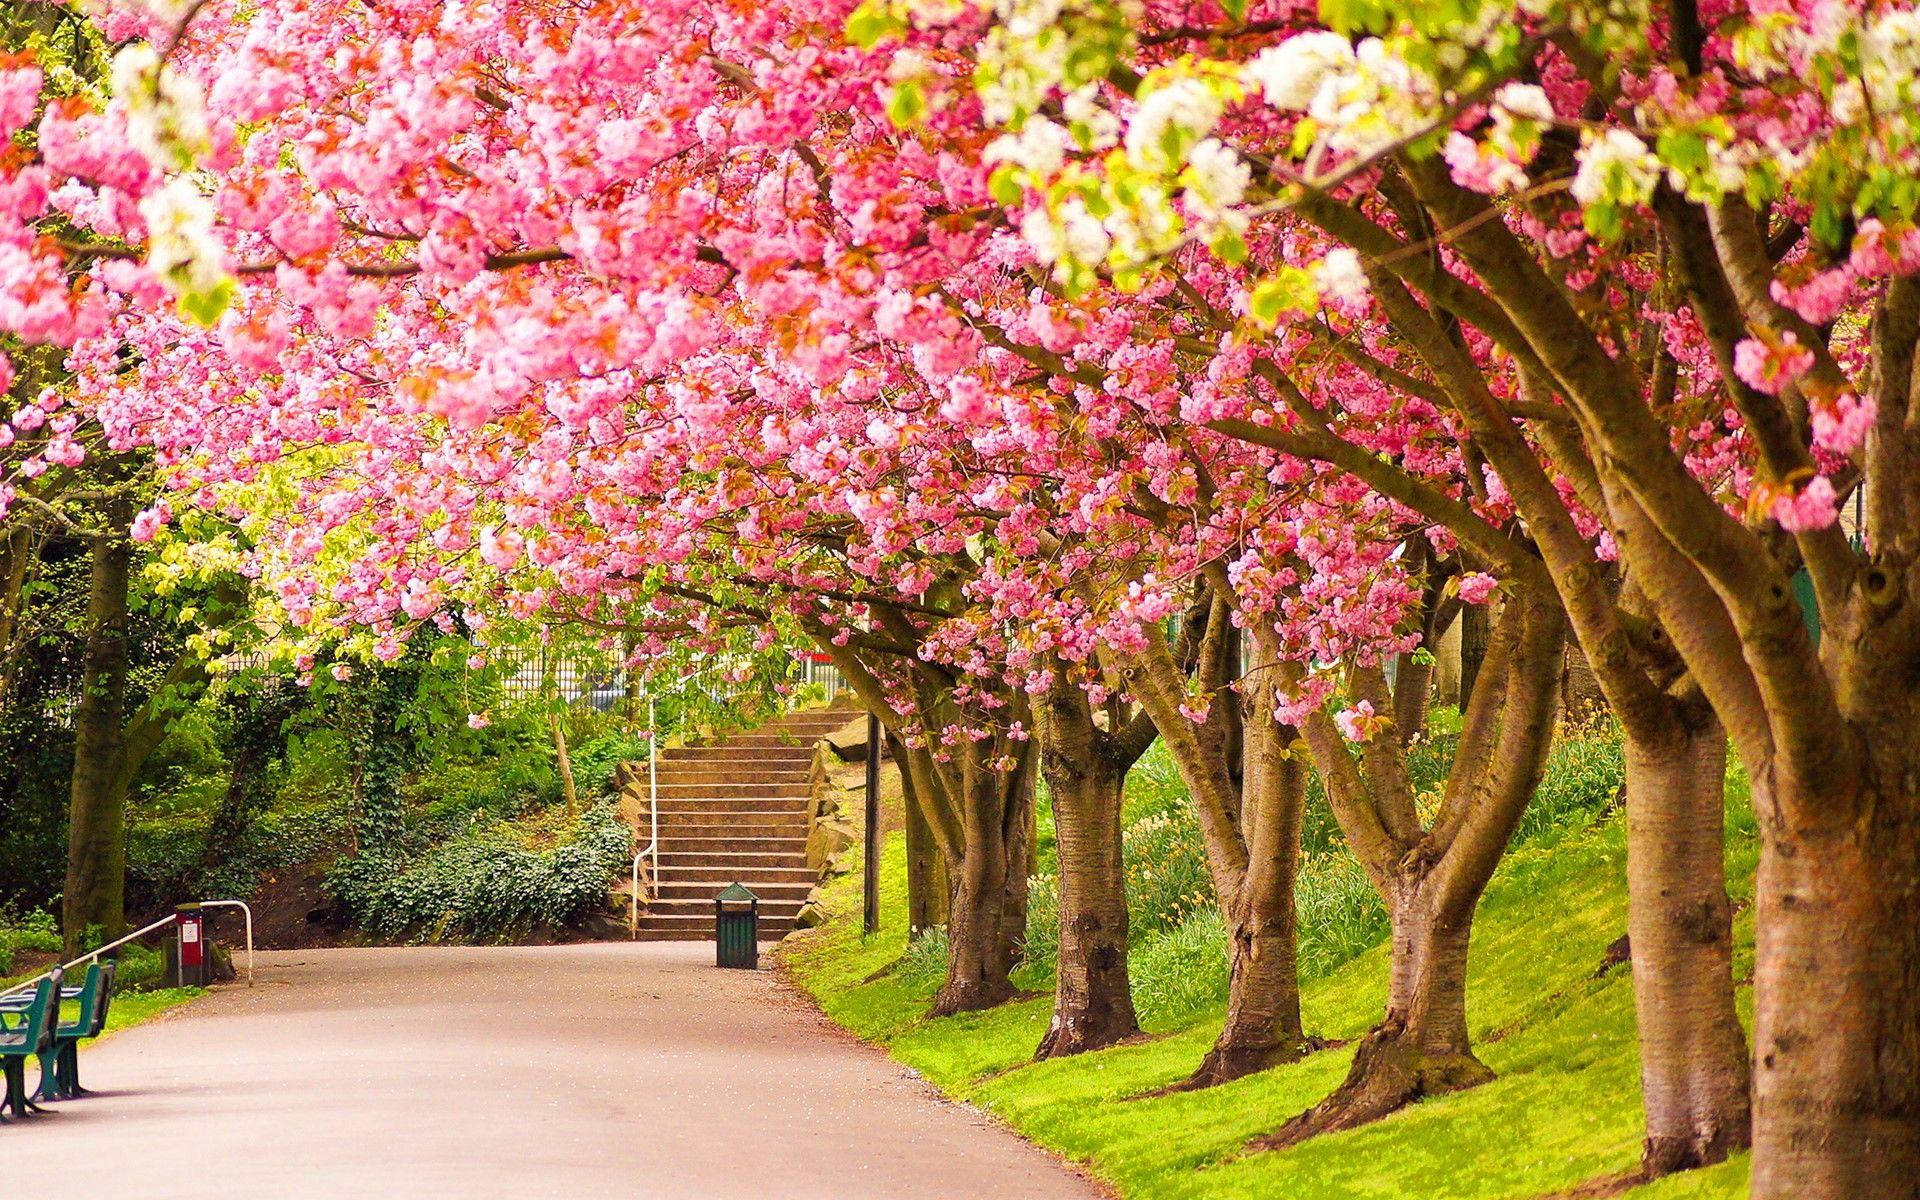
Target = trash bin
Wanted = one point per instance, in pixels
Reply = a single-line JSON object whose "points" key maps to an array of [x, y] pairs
{"points": [[736, 929]]}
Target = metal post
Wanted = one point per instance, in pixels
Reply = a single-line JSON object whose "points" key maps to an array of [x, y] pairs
{"points": [[871, 858]]}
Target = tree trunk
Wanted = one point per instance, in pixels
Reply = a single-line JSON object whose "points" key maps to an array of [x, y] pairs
{"points": [[986, 907], [1249, 792], [95, 895], [1693, 1052], [239, 807], [1836, 1088], [1476, 626], [1412, 691], [1093, 1003], [926, 869], [1263, 1027], [1421, 1049]]}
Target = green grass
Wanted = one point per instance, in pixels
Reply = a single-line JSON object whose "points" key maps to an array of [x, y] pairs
{"points": [[136, 1008], [1564, 1108]]}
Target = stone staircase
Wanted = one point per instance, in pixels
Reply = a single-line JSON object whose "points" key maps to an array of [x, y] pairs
{"points": [[735, 811]]}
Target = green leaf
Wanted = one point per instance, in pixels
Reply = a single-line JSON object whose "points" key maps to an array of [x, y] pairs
{"points": [[1228, 246], [1004, 183], [205, 307], [1290, 289], [906, 104], [872, 23]]}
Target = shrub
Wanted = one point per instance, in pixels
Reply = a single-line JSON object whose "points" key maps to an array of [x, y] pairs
{"points": [[595, 761], [140, 968], [485, 884], [1340, 913], [1182, 973], [33, 932], [1584, 774], [1166, 871], [923, 966]]}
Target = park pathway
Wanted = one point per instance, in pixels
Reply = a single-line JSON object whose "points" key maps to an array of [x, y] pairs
{"points": [[590, 1072]]}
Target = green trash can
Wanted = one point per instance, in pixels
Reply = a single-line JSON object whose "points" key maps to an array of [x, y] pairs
{"points": [[736, 930]]}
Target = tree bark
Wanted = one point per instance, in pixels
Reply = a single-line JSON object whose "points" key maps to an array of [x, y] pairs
{"points": [[95, 895], [1249, 791], [987, 901], [1476, 622], [569, 792], [1693, 1051], [1263, 1026], [1836, 1089], [1432, 878], [926, 870], [1422, 1048], [1093, 997], [1412, 692]]}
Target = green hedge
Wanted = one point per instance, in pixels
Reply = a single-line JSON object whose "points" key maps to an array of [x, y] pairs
{"points": [[486, 884]]}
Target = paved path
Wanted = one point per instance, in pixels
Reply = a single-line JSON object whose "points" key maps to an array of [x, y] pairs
{"points": [[584, 1072]]}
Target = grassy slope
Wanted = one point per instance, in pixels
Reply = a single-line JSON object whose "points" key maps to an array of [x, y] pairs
{"points": [[1564, 1109]]}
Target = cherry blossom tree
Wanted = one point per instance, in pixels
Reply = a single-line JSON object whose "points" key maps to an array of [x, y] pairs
{"points": [[1681, 240]]}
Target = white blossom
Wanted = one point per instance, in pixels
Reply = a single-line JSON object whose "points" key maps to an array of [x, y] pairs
{"points": [[1040, 147], [1085, 238], [1615, 166], [165, 111], [180, 242], [1524, 101], [1217, 177], [1371, 106], [1185, 108], [1043, 235], [1082, 108], [1289, 74], [1340, 276]]}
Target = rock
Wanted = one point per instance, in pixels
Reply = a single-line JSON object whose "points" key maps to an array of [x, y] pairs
{"points": [[603, 927], [843, 862], [849, 742], [809, 916], [828, 837]]}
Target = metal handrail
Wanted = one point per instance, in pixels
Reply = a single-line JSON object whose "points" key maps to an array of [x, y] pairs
{"points": [[162, 923], [246, 908], [88, 957], [652, 849]]}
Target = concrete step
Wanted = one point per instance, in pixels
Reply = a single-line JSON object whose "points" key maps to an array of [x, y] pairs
{"points": [[740, 757], [672, 889], [683, 773], [776, 740], [717, 805], [728, 819], [732, 858], [672, 787], [693, 834], [787, 847], [714, 822], [724, 873], [681, 907], [769, 932]]}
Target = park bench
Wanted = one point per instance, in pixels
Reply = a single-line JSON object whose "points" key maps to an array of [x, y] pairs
{"points": [[60, 1056], [27, 1020]]}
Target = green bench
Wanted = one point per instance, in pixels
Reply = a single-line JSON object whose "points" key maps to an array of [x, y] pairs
{"points": [[60, 1059], [27, 1021]]}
